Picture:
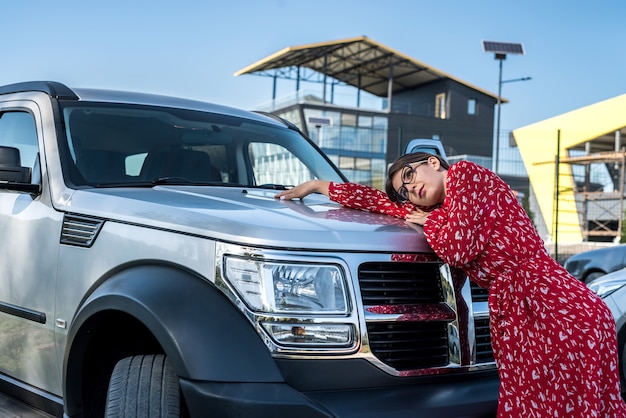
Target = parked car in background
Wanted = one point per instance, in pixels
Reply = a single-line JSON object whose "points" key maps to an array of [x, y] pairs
{"points": [[612, 289], [589, 265], [433, 146]]}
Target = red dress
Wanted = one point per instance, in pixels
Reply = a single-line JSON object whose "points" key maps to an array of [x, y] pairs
{"points": [[553, 339]]}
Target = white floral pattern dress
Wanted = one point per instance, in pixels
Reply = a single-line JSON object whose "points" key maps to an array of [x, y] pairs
{"points": [[554, 341]]}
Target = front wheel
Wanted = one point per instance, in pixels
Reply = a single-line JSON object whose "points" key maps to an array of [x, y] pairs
{"points": [[143, 387]]}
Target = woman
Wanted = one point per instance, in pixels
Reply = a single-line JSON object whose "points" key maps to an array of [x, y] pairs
{"points": [[554, 341]]}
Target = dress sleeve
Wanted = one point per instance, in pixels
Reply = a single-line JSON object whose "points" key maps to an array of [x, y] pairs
{"points": [[460, 230], [358, 196]]}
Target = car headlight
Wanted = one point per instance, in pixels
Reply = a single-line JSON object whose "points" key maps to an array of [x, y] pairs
{"points": [[287, 288], [603, 287]]}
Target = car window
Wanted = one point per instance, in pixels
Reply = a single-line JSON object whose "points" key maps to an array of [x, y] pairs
{"points": [[116, 144], [18, 139], [274, 164]]}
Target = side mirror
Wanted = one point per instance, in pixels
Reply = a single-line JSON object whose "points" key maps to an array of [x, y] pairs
{"points": [[11, 169]]}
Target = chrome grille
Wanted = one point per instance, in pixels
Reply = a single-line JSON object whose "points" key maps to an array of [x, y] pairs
{"points": [[415, 342]]}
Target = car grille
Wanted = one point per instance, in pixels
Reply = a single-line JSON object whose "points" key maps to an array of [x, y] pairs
{"points": [[406, 346], [484, 351], [400, 283], [479, 294], [416, 334], [393, 288]]}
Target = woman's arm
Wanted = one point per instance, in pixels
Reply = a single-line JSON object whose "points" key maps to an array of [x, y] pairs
{"points": [[352, 195], [302, 190]]}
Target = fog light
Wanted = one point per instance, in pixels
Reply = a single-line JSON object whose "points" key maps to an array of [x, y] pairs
{"points": [[335, 335]]}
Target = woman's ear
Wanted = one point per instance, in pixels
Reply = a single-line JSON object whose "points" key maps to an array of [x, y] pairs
{"points": [[434, 163]]}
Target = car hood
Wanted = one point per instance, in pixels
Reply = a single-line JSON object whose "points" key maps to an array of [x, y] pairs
{"points": [[251, 217]]}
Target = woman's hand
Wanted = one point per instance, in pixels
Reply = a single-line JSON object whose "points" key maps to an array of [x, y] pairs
{"points": [[304, 189], [417, 217]]}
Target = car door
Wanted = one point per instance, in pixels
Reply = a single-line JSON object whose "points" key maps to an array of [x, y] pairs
{"points": [[29, 231]]}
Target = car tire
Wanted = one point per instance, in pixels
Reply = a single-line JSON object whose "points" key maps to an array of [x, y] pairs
{"points": [[592, 276], [143, 387]]}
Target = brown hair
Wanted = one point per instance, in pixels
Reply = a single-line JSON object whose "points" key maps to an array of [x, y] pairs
{"points": [[401, 162]]}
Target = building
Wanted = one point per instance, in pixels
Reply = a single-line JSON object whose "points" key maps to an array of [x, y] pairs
{"points": [[392, 98], [575, 165]]}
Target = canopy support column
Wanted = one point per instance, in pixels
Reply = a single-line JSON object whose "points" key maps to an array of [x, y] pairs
{"points": [[390, 87]]}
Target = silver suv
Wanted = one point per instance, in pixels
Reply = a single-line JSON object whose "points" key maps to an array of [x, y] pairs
{"points": [[147, 264]]}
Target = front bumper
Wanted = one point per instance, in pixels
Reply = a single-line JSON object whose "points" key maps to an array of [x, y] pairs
{"points": [[458, 398]]}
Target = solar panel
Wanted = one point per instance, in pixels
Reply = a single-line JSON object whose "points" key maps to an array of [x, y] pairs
{"points": [[503, 47]]}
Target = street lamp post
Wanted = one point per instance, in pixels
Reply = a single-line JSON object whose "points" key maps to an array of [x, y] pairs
{"points": [[500, 57], [500, 83], [501, 49]]}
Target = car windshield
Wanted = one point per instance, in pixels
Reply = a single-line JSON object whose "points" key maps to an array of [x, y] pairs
{"points": [[130, 145]]}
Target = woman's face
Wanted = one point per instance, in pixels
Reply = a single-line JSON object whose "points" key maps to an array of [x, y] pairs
{"points": [[424, 182]]}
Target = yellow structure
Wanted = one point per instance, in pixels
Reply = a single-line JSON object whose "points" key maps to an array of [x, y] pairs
{"points": [[597, 127]]}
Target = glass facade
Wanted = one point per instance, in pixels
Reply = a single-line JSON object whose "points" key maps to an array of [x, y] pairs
{"points": [[357, 138], [354, 140], [356, 143]]}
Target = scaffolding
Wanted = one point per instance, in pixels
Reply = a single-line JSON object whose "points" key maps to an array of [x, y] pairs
{"points": [[608, 206]]}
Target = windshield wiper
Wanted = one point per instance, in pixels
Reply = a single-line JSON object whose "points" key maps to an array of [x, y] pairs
{"points": [[159, 181], [274, 186], [170, 180]]}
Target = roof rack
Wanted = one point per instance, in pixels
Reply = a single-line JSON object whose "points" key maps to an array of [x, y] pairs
{"points": [[53, 88]]}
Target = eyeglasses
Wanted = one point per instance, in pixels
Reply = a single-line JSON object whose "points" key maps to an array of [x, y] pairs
{"points": [[408, 176]]}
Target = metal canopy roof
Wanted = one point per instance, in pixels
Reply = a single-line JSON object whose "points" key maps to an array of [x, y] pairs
{"points": [[359, 62]]}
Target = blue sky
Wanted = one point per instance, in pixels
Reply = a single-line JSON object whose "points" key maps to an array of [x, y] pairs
{"points": [[575, 50]]}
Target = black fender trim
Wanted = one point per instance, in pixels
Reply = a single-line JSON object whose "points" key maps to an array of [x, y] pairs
{"points": [[203, 334]]}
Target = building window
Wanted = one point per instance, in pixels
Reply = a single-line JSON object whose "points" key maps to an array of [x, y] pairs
{"points": [[365, 121], [348, 119], [472, 106], [440, 106]]}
